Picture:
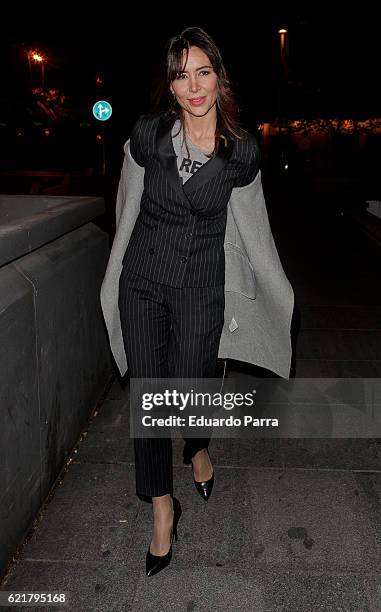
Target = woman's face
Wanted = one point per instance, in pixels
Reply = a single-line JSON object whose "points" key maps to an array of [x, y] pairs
{"points": [[196, 87]]}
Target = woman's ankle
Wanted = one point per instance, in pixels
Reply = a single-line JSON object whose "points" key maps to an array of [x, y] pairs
{"points": [[201, 454], [162, 505]]}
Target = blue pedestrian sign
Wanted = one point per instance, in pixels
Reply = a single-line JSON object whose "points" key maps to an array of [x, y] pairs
{"points": [[102, 110]]}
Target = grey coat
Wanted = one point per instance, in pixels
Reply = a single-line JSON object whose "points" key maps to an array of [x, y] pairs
{"points": [[259, 299]]}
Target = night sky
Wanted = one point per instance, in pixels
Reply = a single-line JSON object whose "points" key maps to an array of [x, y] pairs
{"points": [[334, 60]]}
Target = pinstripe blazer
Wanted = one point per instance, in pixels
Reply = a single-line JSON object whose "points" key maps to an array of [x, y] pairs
{"points": [[259, 298], [178, 237]]}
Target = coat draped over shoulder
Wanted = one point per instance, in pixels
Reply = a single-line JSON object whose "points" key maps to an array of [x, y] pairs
{"points": [[259, 299], [130, 190]]}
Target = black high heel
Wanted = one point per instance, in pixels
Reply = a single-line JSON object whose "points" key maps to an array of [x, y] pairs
{"points": [[155, 563], [204, 488]]}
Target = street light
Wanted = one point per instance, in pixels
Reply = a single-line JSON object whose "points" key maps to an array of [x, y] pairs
{"points": [[37, 58], [283, 71], [283, 79], [284, 50]]}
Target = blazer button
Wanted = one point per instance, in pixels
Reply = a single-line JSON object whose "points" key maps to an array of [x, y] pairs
{"points": [[188, 235], [151, 251], [183, 259]]}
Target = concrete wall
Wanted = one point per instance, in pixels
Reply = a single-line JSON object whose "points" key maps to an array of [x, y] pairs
{"points": [[55, 360]]}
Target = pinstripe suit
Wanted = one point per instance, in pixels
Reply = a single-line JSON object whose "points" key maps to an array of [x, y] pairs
{"points": [[171, 288], [165, 337], [178, 237]]}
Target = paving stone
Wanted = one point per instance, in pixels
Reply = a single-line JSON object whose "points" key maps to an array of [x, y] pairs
{"points": [[90, 518], [335, 454], [207, 588], [91, 587], [312, 520]]}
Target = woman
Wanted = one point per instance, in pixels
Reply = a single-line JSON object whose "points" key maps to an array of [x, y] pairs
{"points": [[172, 283]]}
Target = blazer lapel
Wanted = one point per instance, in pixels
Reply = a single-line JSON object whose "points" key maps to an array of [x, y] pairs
{"points": [[166, 152], [167, 157]]}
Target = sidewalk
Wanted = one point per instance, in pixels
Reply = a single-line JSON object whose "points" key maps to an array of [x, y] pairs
{"points": [[292, 524]]}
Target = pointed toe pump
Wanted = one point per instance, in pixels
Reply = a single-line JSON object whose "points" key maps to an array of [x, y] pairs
{"points": [[204, 488], [155, 563]]}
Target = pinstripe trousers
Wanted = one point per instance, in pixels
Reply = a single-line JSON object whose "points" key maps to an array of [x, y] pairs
{"points": [[168, 332]]}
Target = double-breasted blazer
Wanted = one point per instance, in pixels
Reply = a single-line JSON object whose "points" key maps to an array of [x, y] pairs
{"points": [[178, 237], [259, 299]]}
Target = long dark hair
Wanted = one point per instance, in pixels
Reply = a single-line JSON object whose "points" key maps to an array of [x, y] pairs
{"points": [[171, 66]]}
